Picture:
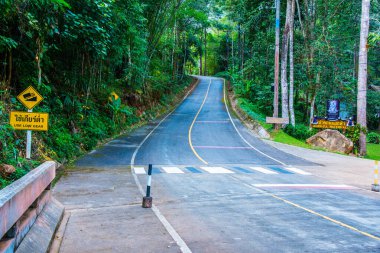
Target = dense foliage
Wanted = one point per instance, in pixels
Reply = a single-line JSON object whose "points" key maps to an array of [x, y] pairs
{"points": [[326, 41], [77, 52]]}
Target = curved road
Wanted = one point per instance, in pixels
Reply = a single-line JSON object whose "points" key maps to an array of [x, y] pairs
{"points": [[216, 188], [201, 131]]}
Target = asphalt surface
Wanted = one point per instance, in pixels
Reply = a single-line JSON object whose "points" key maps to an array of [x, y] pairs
{"points": [[215, 188]]}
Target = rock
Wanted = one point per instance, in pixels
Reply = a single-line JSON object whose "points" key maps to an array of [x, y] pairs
{"points": [[6, 170], [331, 140]]}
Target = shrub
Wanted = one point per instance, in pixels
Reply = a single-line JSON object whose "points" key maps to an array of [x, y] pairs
{"points": [[373, 138], [300, 132]]}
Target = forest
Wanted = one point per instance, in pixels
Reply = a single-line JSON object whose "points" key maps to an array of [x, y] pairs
{"points": [[78, 53]]}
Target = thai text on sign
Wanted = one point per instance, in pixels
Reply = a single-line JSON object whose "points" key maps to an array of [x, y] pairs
{"points": [[322, 123], [29, 121]]}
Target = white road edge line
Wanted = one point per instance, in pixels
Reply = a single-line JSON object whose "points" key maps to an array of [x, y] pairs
{"points": [[233, 123], [173, 233]]}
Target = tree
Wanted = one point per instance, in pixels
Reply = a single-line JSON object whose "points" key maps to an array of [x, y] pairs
{"points": [[291, 66], [284, 62], [362, 76]]}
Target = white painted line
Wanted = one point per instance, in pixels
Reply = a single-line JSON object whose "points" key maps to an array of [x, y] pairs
{"points": [[306, 186], [177, 238], [173, 233], [217, 170], [172, 170], [238, 132], [298, 171], [262, 170], [139, 170]]}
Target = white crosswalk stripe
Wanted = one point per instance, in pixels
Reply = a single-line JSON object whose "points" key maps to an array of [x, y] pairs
{"points": [[298, 171], [217, 170], [172, 170], [262, 170], [139, 170]]}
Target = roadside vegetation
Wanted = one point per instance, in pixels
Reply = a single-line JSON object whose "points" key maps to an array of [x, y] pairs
{"points": [[323, 47], [104, 67]]}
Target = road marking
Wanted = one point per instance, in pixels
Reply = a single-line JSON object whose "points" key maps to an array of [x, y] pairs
{"points": [[172, 170], [298, 171], [217, 170], [233, 123], [281, 170], [309, 210], [243, 170], [221, 147], [262, 170], [192, 125], [139, 170], [193, 170], [173, 233], [307, 186]]}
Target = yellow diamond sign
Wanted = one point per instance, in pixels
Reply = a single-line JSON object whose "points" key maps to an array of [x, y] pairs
{"points": [[30, 97]]}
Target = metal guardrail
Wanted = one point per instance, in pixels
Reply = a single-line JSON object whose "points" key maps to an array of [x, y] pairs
{"points": [[30, 192]]}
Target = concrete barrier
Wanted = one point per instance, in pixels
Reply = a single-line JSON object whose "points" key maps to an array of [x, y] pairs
{"points": [[29, 215]]}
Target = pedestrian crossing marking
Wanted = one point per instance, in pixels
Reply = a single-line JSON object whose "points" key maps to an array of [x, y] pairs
{"points": [[271, 170], [193, 170], [298, 171], [280, 170], [217, 170], [173, 170], [262, 170], [139, 170]]}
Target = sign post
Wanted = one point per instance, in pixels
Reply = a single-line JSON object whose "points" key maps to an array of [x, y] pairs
{"points": [[28, 120], [28, 142]]}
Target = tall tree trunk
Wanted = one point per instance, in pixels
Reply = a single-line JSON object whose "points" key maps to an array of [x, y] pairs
{"points": [[276, 61], [362, 76], [291, 66], [284, 62], [242, 54], [205, 34]]}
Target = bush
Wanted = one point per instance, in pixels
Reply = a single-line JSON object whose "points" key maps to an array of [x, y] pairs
{"points": [[300, 132], [373, 138]]}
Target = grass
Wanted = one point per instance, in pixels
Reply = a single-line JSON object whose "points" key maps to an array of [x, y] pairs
{"points": [[373, 151], [280, 136]]}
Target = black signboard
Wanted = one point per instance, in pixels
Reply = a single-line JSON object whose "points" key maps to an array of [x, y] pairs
{"points": [[333, 107]]}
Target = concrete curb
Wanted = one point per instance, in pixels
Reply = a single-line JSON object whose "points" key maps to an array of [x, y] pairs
{"points": [[40, 236]]}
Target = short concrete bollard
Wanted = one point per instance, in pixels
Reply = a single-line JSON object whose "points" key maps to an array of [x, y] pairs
{"points": [[375, 185], [148, 200]]}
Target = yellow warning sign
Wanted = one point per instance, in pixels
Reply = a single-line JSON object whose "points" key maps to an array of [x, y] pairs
{"points": [[113, 96], [36, 121], [30, 97]]}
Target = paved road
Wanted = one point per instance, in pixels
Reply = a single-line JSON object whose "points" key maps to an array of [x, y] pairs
{"points": [[216, 188]]}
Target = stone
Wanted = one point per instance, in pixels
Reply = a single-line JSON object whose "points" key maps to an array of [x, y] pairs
{"points": [[6, 170], [331, 140]]}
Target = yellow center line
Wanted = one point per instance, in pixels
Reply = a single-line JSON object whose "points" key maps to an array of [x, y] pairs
{"points": [[192, 125], [315, 213]]}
